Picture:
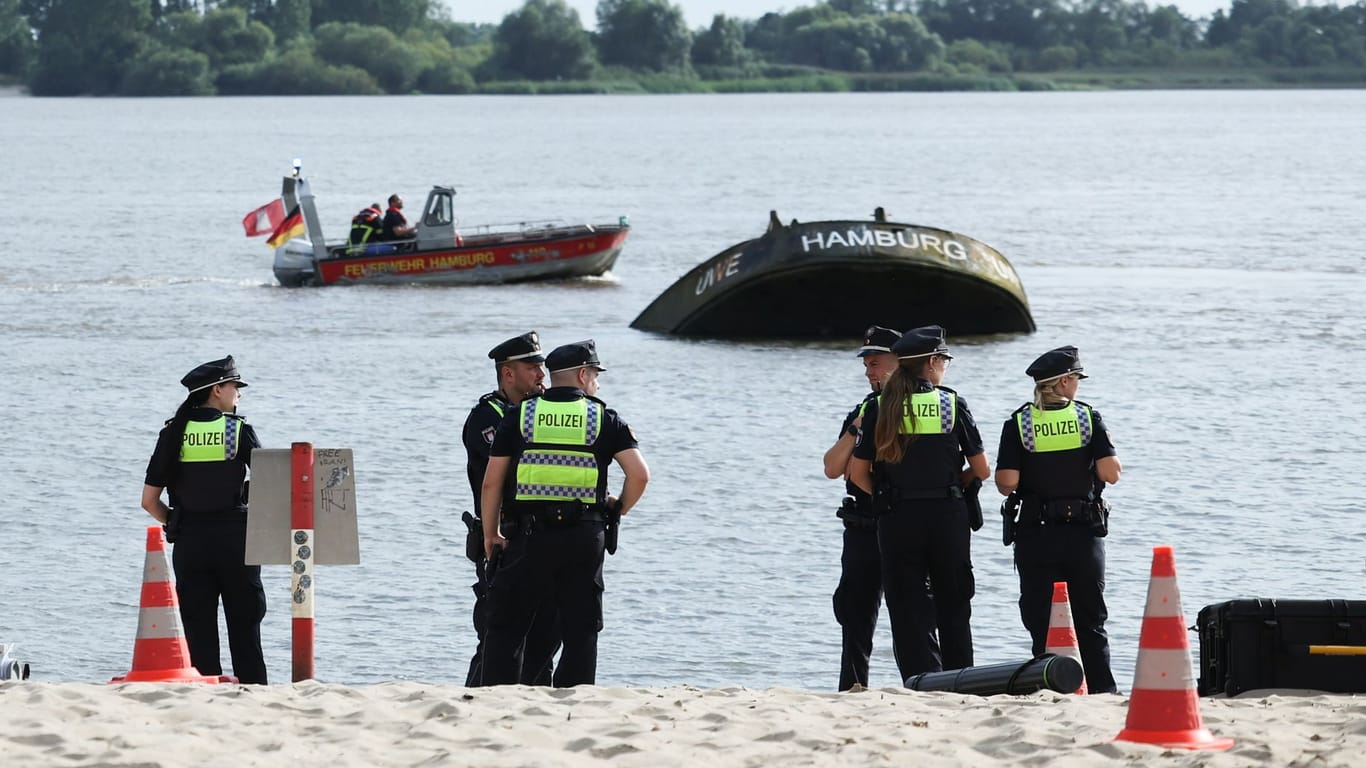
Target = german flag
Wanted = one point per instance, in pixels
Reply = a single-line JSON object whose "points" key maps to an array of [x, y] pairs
{"points": [[290, 228]]}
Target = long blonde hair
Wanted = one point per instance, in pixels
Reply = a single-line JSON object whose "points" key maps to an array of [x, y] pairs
{"points": [[896, 392], [1046, 393]]}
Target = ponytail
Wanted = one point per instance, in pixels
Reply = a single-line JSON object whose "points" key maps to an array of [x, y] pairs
{"points": [[179, 421], [888, 438], [1046, 394]]}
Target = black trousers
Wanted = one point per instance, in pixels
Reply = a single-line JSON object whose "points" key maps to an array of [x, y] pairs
{"points": [[537, 655], [1048, 553], [549, 569], [928, 538], [857, 600], [208, 561]]}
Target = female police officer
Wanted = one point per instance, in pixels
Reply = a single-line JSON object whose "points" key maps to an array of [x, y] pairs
{"points": [[201, 460], [910, 455], [1056, 457]]}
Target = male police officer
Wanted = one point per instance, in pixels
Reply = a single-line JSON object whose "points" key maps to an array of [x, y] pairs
{"points": [[859, 594], [547, 473], [1056, 456], [517, 364], [201, 460]]}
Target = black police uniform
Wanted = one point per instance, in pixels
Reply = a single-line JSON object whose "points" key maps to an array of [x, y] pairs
{"points": [[543, 639], [925, 530], [1056, 537], [210, 503], [551, 556], [859, 594]]}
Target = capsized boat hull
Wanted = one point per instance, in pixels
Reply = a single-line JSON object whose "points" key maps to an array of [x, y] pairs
{"points": [[836, 278], [554, 253]]}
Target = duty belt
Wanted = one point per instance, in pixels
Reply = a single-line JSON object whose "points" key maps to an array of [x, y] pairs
{"points": [[561, 515], [949, 492], [1058, 511]]}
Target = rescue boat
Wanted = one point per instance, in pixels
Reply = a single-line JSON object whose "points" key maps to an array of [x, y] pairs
{"points": [[835, 278], [439, 255]]}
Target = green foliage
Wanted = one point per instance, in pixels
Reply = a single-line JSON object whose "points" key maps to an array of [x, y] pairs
{"points": [[85, 46], [721, 45], [227, 37], [1056, 57], [544, 40], [971, 56], [375, 50], [161, 71], [644, 34], [398, 16], [296, 72], [17, 47]]}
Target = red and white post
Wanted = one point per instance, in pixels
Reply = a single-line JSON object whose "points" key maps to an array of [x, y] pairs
{"points": [[302, 542]]}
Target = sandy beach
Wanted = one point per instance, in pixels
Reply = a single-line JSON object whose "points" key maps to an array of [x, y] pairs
{"points": [[410, 724]]}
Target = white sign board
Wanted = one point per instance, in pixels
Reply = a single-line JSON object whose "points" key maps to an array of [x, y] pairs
{"points": [[334, 508]]}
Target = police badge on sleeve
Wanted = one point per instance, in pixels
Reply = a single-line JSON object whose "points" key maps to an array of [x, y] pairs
{"points": [[488, 434]]}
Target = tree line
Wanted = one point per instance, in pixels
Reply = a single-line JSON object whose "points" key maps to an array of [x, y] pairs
{"points": [[205, 47]]}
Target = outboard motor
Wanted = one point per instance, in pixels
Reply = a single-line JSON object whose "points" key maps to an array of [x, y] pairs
{"points": [[10, 668]]}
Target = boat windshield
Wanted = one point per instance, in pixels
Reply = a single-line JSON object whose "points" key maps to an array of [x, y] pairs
{"points": [[439, 210]]}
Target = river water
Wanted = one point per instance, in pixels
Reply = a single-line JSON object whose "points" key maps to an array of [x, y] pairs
{"points": [[1203, 249]]}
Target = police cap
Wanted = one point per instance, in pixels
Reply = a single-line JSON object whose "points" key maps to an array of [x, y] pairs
{"points": [[580, 354], [878, 340], [526, 348], [1056, 363], [922, 342], [211, 373]]}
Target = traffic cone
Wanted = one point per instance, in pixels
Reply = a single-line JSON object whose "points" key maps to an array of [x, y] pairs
{"points": [[1163, 707], [1062, 634], [160, 654]]}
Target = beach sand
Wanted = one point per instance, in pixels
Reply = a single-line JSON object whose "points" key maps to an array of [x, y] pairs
{"points": [[411, 724]]}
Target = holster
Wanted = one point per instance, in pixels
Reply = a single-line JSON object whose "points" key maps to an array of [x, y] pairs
{"points": [[611, 526], [853, 517], [973, 503], [1100, 518], [172, 526], [1010, 513], [474, 538]]}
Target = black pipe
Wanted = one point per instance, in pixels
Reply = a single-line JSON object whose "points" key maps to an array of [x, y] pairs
{"points": [[1056, 673]]}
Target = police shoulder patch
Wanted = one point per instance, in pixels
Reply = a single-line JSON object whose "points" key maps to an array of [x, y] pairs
{"points": [[488, 434], [632, 430]]}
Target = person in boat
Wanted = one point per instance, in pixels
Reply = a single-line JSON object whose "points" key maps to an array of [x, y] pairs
{"points": [[910, 455], [201, 460], [547, 473], [395, 225], [366, 227], [858, 597], [517, 365], [1056, 457]]}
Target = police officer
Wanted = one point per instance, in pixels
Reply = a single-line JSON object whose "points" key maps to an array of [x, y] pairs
{"points": [[1056, 457], [910, 455], [201, 460], [517, 365], [547, 472], [859, 594]]}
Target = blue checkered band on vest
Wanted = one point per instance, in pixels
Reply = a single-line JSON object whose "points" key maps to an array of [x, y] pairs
{"points": [[562, 460], [945, 411], [529, 421], [1083, 422], [1027, 429], [536, 489], [230, 430]]}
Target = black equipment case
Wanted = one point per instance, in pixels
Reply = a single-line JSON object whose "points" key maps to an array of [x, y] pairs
{"points": [[1264, 643]]}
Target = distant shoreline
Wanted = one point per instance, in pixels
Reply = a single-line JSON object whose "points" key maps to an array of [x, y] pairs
{"points": [[846, 82]]}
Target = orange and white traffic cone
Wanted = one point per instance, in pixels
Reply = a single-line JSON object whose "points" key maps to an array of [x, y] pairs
{"points": [[1164, 708], [1062, 634], [160, 654]]}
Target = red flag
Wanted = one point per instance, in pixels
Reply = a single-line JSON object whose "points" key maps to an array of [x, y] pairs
{"points": [[265, 219], [290, 228]]}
